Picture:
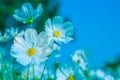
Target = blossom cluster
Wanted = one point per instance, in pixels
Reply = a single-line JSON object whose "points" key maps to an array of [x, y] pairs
{"points": [[31, 50]]}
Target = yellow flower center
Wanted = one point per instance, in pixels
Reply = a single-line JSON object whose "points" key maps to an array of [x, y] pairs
{"points": [[30, 51], [56, 33], [29, 20], [70, 77]]}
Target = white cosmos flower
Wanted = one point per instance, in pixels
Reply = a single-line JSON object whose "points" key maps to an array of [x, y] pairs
{"points": [[100, 74], [15, 32], [68, 72], [80, 58], [109, 77], [59, 31], [26, 49]]}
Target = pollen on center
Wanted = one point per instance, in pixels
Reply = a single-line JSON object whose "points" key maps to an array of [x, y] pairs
{"points": [[56, 33], [70, 77], [31, 51]]}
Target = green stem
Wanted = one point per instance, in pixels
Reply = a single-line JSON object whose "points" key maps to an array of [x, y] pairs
{"points": [[33, 72], [1, 76], [28, 73], [14, 77], [43, 70], [20, 77], [5, 66], [31, 25]]}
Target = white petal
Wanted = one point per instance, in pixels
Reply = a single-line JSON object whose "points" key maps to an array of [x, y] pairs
{"points": [[31, 37], [65, 39], [48, 27], [27, 10], [57, 23], [17, 52], [37, 12], [42, 39], [68, 29], [21, 43], [24, 60]]}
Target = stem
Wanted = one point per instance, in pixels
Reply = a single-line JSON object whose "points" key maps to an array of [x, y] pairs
{"points": [[1, 76], [56, 65], [20, 77], [5, 66], [1, 72], [31, 25], [33, 72], [14, 77], [28, 73], [43, 70], [55, 73]]}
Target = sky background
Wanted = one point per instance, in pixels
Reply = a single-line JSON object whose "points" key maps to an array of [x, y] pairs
{"points": [[97, 28]]}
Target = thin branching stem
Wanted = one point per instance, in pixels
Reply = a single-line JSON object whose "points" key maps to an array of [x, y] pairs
{"points": [[43, 70]]}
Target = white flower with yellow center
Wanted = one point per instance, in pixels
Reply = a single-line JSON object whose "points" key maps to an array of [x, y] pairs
{"points": [[26, 50], [80, 58], [68, 72], [59, 31], [15, 32]]}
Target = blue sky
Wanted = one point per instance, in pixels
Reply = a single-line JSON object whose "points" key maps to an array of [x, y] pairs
{"points": [[97, 28]]}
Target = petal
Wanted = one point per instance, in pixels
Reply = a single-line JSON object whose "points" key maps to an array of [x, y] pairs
{"points": [[24, 60], [20, 43], [18, 16], [21, 33], [42, 39], [57, 23], [39, 54], [31, 37], [37, 12], [67, 26], [16, 51], [36, 59], [48, 27], [60, 75], [56, 47], [27, 10], [65, 39]]}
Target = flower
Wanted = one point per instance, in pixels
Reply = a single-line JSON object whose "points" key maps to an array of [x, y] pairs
{"points": [[27, 49], [80, 58], [5, 37], [100, 74], [15, 32], [26, 14], [109, 77], [59, 31], [68, 72]]}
